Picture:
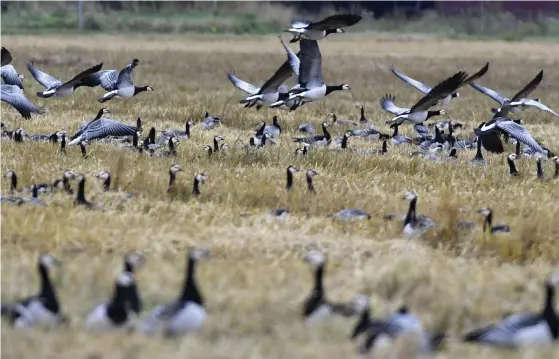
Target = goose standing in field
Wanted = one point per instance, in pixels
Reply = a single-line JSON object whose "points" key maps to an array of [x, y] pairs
{"points": [[526, 329], [198, 179], [80, 199], [350, 214], [317, 140], [398, 140], [290, 171], [185, 314], [13, 95], [210, 122], [362, 119], [311, 85], [216, 143], [275, 130], [55, 87], [41, 309], [316, 306], [415, 226], [400, 323], [115, 314], [208, 149], [320, 29], [423, 88], [310, 174], [488, 133], [512, 167], [478, 159], [179, 134], [101, 127], [419, 113], [518, 102], [124, 86], [488, 226], [173, 175]]}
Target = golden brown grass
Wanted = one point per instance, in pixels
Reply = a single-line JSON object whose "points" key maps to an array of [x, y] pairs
{"points": [[256, 282]]}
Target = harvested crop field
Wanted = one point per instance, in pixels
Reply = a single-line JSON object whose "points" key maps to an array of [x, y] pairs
{"points": [[255, 282]]}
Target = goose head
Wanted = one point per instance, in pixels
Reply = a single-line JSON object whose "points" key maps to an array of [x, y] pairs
{"points": [[556, 159], [199, 253], [292, 169], [103, 175], [311, 173], [48, 261], [201, 177], [134, 260], [207, 148], [315, 258], [190, 123], [512, 156], [409, 196], [149, 88], [553, 280], [345, 87], [218, 138], [485, 211], [104, 110], [175, 169]]}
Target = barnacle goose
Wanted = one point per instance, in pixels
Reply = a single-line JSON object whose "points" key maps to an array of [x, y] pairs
{"points": [[310, 174], [362, 118], [181, 135], [172, 176], [80, 199], [316, 306], [208, 149], [488, 226], [186, 313], [124, 86], [13, 95], [216, 143], [398, 140], [512, 167], [101, 127], [210, 122], [312, 87], [320, 29], [115, 314], [40, 309], [488, 131], [317, 140], [105, 176], [518, 102], [110, 80], [64, 183], [419, 112], [402, 322], [415, 226], [275, 130], [350, 214], [290, 171], [198, 179], [526, 329], [55, 87]]}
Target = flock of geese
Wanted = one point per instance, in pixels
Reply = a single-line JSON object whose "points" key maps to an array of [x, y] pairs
{"points": [[187, 313]]}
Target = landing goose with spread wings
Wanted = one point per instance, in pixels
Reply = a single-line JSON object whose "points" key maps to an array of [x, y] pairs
{"points": [[55, 87], [101, 127]]}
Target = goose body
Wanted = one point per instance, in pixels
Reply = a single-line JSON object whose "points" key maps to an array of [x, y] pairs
{"points": [[413, 225], [210, 122], [318, 140], [350, 214], [124, 86]]}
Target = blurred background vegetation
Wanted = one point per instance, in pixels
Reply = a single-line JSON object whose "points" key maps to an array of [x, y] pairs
{"points": [[519, 20]]}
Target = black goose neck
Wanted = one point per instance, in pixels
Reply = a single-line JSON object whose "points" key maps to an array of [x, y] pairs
{"points": [[318, 279], [395, 131], [431, 114], [107, 183], [81, 191], [138, 89], [196, 187], [330, 31], [517, 150], [362, 324], [362, 114], [47, 292], [488, 223], [479, 155], [190, 292], [384, 147], [13, 184], [344, 141], [135, 139], [99, 115], [330, 89], [172, 176], [310, 185], [410, 217], [216, 146], [276, 123], [512, 167], [35, 192], [549, 313], [557, 169], [84, 151], [187, 128], [325, 131], [539, 168], [289, 180], [63, 144]]}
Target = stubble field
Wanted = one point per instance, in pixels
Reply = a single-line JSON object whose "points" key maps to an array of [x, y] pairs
{"points": [[256, 281]]}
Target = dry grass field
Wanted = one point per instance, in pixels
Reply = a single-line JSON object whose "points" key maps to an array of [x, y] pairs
{"points": [[256, 281]]}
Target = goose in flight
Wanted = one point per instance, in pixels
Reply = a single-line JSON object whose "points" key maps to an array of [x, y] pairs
{"points": [[388, 105], [100, 128], [488, 133], [124, 86], [311, 84], [419, 112], [14, 96], [55, 87], [320, 29], [519, 101]]}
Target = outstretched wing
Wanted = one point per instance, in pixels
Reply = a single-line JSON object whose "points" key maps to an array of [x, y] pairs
{"points": [[529, 88], [491, 93], [43, 78], [10, 76], [14, 96], [310, 69], [519, 133], [418, 85], [539, 105], [443, 89], [106, 78], [79, 77], [242, 85], [387, 103], [336, 22], [124, 76]]}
